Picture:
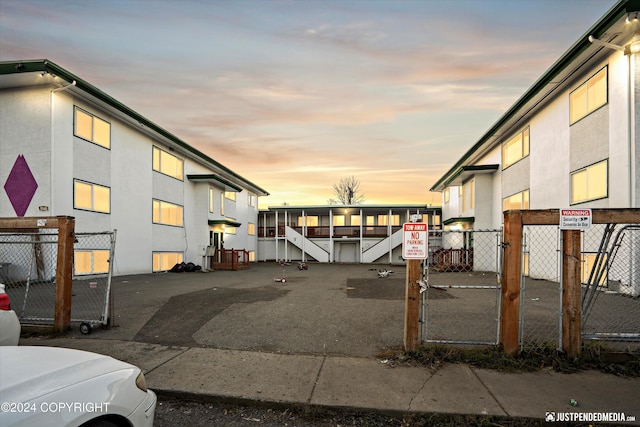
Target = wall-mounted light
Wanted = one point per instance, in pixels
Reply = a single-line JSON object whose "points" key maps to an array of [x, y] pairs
{"points": [[633, 47], [631, 17]]}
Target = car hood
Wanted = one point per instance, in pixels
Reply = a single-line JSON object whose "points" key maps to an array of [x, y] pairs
{"points": [[27, 373]]}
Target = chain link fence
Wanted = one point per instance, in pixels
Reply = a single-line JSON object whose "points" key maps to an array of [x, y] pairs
{"points": [[461, 295], [611, 284], [540, 288], [461, 287], [28, 270]]}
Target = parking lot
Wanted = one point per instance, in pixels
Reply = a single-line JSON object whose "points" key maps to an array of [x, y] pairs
{"points": [[329, 309]]}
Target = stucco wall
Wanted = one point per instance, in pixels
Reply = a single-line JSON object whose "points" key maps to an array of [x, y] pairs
{"points": [[39, 125], [25, 130]]}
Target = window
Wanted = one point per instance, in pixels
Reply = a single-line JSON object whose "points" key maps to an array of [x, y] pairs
{"points": [[90, 262], [338, 220], [447, 195], [252, 256], [230, 195], [164, 261], [91, 197], [525, 263], [251, 229], [588, 264], [589, 96], [251, 200], [516, 201], [384, 219], [312, 221], [89, 127], [166, 163], [355, 220], [222, 204], [515, 149], [589, 183], [468, 195], [230, 230], [167, 213], [211, 196], [371, 220]]}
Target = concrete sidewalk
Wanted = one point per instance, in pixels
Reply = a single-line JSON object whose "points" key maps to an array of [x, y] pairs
{"points": [[368, 383]]}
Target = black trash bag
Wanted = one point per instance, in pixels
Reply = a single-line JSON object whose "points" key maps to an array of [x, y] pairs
{"points": [[179, 268]]}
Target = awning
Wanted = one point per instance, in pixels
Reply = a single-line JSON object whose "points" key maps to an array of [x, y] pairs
{"points": [[450, 221], [228, 222], [466, 172], [215, 179]]}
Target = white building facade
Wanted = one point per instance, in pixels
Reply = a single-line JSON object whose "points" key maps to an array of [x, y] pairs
{"points": [[342, 234], [570, 141], [67, 148]]}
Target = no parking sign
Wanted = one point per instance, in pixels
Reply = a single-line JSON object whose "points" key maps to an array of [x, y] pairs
{"points": [[415, 241]]}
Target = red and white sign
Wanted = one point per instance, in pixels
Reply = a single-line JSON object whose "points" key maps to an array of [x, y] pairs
{"points": [[415, 240], [575, 219]]}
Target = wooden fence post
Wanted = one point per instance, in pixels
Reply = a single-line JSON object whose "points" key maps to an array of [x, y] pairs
{"points": [[571, 293], [412, 306], [64, 274], [510, 319]]}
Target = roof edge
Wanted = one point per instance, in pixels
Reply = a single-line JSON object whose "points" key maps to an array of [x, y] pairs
{"points": [[600, 27], [36, 65]]}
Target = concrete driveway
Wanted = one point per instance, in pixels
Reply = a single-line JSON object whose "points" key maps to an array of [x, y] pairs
{"points": [[328, 309]]}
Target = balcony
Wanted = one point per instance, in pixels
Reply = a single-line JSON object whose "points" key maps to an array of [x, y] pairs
{"points": [[325, 231]]}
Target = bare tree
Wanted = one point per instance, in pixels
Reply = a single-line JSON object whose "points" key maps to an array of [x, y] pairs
{"points": [[347, 191]]}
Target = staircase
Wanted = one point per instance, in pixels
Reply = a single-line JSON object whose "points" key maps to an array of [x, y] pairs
{"points": [[382, 247], [306, 245]]}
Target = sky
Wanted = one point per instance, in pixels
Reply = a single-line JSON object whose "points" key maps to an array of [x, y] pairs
{"points": [[294, 95]]}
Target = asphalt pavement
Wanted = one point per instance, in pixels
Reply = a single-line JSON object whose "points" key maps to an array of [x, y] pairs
{"points": [[317, 339]]}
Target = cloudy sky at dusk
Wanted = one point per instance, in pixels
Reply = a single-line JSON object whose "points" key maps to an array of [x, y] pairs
{"points": [[295, 94]]}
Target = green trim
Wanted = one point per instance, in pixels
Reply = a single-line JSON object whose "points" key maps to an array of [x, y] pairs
{"points": [[472, 168], [216, 179], [224, 222], [461, 219], [597, 30], [363, 207], [44, 65]]}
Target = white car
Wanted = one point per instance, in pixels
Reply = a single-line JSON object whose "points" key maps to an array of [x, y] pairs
{"points": [[50, 386], [9, 323]]}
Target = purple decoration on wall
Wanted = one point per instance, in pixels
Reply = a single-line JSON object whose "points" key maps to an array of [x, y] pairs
{"points": [[20, 186]]}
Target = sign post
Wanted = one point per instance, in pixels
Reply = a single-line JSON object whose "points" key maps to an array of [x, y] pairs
{"points": [[415, 247], [572, 221]]}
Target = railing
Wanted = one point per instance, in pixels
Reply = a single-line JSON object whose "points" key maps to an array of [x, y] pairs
{"points": [[452, 260], [338, 231], [230, 259]]}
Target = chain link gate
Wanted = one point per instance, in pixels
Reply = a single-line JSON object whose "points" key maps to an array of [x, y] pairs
{"points": [[461, 287], [610, 286], [540, 288], [28, 270]]}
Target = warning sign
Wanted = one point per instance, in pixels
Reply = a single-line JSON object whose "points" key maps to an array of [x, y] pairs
{"points": [[575, 219], [415, 240]]}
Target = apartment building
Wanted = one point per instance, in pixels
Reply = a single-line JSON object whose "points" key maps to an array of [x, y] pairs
{"points": [[68, 148]]}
